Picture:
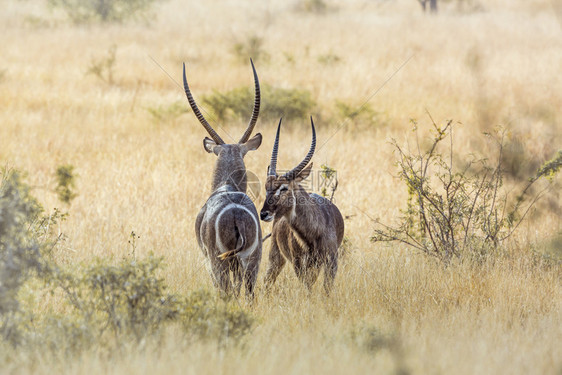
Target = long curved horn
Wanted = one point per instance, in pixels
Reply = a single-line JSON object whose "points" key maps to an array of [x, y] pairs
{"points": [[198, 114], [256, 112], [295, 171], [273, 164]]}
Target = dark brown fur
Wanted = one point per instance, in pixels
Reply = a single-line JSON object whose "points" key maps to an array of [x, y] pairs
{"points": [[307, 230]]}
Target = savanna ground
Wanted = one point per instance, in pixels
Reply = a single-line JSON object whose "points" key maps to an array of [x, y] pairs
{"points": [[141, 167]]}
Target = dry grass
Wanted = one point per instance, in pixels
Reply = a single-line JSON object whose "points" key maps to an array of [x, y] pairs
{"points": [[392, 310]]}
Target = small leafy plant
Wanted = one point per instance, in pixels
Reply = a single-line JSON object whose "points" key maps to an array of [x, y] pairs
{"points": [[167, 113], [329, 59], [313, 6], [82, 11], [371, 340], [66, 183], [329, 181], [103, 68], [250, 48], [357, 114]]}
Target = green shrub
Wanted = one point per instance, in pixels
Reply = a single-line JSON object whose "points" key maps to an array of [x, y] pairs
{"points": [[66, 183], [24, 239], [276, 102], [312, 6], [358, 114], [457, 212], [328, 181], [167, 113], [80, 11], [20, 248], [104, 305], [251, 48], [128, 300], [208, 317], [553, 250], [103, 67], [329, 59], [372, 341], [99, 305]]}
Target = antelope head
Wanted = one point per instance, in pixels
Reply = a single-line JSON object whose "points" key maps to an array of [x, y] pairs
{"points": [[230, 168], [282, 192]]}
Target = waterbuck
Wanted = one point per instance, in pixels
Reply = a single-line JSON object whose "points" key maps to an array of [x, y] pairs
{"points": [[307, 228], [227, 227]]}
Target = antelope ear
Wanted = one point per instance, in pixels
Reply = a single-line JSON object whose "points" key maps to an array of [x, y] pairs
{"points": [[304, 173], [211, 146], [252, 144]]}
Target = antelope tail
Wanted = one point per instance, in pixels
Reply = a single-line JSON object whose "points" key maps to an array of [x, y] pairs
{"points": [[239, 244]]}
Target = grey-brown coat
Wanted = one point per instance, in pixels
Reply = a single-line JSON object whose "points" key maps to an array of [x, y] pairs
{"points": [[227, 226], [307, 228]]}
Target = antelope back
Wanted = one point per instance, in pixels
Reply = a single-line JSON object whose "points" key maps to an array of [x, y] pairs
{"points": [[227, 217]]}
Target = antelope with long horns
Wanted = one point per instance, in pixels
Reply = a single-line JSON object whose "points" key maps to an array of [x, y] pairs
{"points": [[307, 228], [227, 227]]}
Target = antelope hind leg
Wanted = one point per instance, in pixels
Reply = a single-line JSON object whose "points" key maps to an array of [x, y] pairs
{"points": [[221, 275], [330, 270], [236, 268], [276, 263], [251, 274], [307, 271]]}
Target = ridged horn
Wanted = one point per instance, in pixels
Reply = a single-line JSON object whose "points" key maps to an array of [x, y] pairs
{"points": [[256, 112], [198, 114], [273, 165], [295, 171]]}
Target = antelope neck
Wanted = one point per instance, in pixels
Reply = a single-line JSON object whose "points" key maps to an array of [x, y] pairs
{"points": [[298, 214], [231, 171]]}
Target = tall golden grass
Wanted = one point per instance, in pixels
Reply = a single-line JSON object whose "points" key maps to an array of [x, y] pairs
{"points": [[393, 310]]}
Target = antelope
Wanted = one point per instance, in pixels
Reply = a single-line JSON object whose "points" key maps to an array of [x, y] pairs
{"points": [[227, 226], [307, 228]]}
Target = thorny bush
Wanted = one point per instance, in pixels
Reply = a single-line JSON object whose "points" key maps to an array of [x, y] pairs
{"points": [[458, 212]]}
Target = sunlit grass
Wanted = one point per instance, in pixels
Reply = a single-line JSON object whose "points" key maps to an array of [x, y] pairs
{"points": [[392, 309]]}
